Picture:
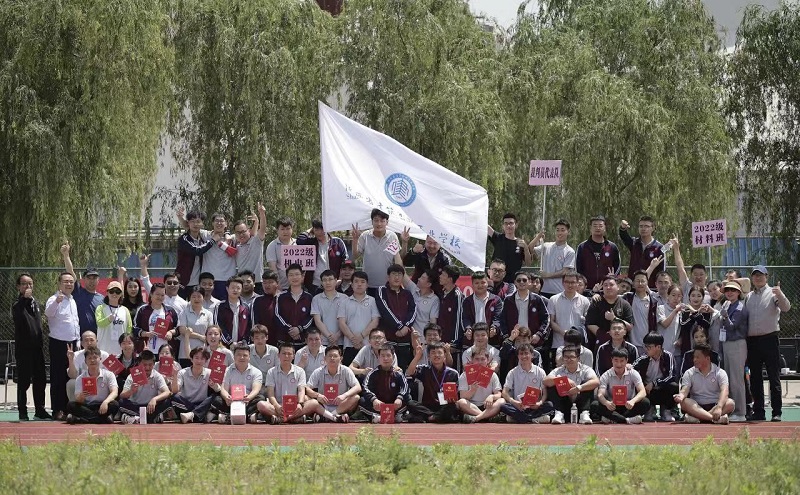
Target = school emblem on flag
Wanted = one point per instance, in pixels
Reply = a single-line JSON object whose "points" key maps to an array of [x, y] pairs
{"points": [[400, 189]]}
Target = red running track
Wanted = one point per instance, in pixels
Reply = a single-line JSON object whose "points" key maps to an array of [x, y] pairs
{"points": [[37, 433]]}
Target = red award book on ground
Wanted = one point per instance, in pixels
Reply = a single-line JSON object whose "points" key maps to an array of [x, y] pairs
{"points": [[113, 364], [562, 385], [531, 397], [387, 413], [450, 390], [484, 376], [619, 395], [472, 370], [161, 328], [331, 391], [217, 373], [165, 365], [138, 375], [237, 392], [89, 384], [217, 358], [289, 406]]}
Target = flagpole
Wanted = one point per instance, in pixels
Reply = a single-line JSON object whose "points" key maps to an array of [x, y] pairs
{"points": [[710, 269], [544, 209]]}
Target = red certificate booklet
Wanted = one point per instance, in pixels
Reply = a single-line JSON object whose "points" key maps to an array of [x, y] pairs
{"points": [[484, 376], [387, 413], [450, 390], [331, 391], [113, 364], [89, 384], [165, 365], [531, 397], [237, 392], [289, 406], [161, 328], [562, 385], [217, 373], [217, 358], [472, 370], [619, 395], [138, 375]]}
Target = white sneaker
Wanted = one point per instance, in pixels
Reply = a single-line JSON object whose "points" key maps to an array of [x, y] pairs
{"points": [[376, 419], [187, 417], [666, 415], [222, 418], [542, 420], [558, 418], [635, 420], [585, 419], [605, 420], [737, 418], [688, 418], [253, 418], [723, 420], [509, 419]]}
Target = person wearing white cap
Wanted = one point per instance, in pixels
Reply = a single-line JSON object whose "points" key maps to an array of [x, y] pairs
{"points": [[113, 319], [733, 338], [765, 305]]}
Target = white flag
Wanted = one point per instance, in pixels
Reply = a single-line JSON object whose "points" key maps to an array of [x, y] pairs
{"points": [[363, 169]]}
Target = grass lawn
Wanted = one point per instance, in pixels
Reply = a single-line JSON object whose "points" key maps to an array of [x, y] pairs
{"points": [[369, 464]]}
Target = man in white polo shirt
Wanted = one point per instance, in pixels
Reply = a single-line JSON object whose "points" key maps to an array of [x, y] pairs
{"points": [[325, 309], [557, 257], [62, 318], [379, 247], [312, 355], [333, 389], [519, 381], [283, 380], [241, 372], [190, 397], [704, 390], [628, 384], [262, 355], [358, 316]]}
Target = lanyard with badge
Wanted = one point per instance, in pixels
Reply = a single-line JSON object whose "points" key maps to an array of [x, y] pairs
{"points": [[440, 384]]}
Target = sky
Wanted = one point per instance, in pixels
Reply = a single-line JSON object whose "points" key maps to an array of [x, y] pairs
{"points": [[727, 13]]}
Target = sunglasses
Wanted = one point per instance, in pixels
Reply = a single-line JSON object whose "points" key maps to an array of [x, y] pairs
{"points": [[172, 282], [521, 280], [114, 291]]}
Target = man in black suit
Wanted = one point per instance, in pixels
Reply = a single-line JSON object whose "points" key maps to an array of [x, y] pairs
{"points": [[29, 349]]}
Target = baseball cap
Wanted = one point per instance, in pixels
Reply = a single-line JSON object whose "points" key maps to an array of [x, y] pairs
{"points": [[760, 269], [91, 272]]}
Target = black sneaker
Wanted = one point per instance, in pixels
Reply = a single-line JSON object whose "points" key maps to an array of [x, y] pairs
{"points": [[24, 418], [70, 419], [43, 415], [776, 418]]}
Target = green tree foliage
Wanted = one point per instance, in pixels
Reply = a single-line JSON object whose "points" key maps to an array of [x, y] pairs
{"points": [[247, 80], [83, 87], [627, 93], [764, 109]]}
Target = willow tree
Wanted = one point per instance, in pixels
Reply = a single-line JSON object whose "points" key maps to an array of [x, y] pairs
{"points": [[426, 74], [628, 94], [764, 110], [83, 87], [248, 77]]}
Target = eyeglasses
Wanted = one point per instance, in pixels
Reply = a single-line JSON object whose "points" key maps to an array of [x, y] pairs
{"points": [[521, 280], [114, 291], [498, 270], [172, 282]]}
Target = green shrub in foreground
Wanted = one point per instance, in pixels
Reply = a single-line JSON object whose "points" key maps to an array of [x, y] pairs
{"points": [[372, 464]]}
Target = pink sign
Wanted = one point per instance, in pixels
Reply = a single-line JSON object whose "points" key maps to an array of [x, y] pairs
{"points": [[709, 233], [545, 173], [305, 256]]}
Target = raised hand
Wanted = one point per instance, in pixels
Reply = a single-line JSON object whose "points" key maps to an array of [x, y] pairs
{"points": [[65, 249], [624, 225]]}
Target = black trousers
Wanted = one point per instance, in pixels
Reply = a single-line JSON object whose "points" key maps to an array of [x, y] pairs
{"points": [[127, 406], [564, 404], [763, 351], [621, 413], [181, 405], [662, 396], [438, 413], [58, 374], [348, 356], [527, 415], [218, 405], [90, 412], [30, 371]]}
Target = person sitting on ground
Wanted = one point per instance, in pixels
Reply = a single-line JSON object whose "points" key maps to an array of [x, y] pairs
{"points": [[262, 355], [127, 357], [699, 336], [385, 384], [480, 335], [432, 334], [312, 355], [604, 352], [433, 406], [574, 338], [704, 390], [479, 403], [154, 395], [333, 390], [520, 379], [285, 380], [76, 364], [241, 372], [214, 344], [99, 407], [582, 381], [620, 377], [368, 357], [657, 369], [190, 390], [508, 353]]}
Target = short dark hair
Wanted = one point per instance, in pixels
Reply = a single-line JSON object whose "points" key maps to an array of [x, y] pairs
{"points": [[386, 346], [284, 222], [522, 272], [91, 351], [246, 273], [23, 274], [147, 355], [313, 331], [661, 274], [571, 348], [376, 330], [648, 218], [332, 348], [432, 346], [259, 329], [620, 353], [525, 348], [573, 336], [611, 277], [269, 275], [395, 268], [735, 272], [205, 276], [704, 348], [571, 273], [479, 275], [61, 275], [432, 327], [195, 214], [654, 338], [640, 272], [285, 345], [598, 218], [361, 274], [452, 271], [218, 215], [234, 280], [200, 350], [294, 266], [563, 222], [169, 275], [698, 266], [378, 213], [510, 215], [327, 273], [480, 327], [240, 346], [317, 224]]}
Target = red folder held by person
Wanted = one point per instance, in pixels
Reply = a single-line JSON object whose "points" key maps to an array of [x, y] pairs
{"points": [[89, 384], [531, 396], [217, 373], [166, 365], [138, 375], [387, 413], [161, 328], [237, 392], [450, 390], [289, 406], [562, 385], [331, 391], [113, 364], [619, 395]]}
